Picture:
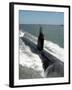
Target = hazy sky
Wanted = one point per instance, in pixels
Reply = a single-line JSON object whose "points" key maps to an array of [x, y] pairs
{"points": [[40, 17]]}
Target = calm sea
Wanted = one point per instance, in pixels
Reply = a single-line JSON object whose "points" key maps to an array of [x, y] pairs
{"points": [[54, 33]]}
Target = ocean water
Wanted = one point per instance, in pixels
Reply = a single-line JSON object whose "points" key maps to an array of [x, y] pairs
{"points": [[53, 33]]}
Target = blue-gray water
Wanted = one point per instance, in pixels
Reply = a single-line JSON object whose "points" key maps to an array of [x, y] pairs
{"points": [[54, 33]]}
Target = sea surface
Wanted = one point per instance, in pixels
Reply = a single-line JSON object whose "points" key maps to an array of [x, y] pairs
{"points": [[53, 33]]}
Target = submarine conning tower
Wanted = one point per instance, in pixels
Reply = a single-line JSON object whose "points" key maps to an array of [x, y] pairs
{"points": [[40, 39]]}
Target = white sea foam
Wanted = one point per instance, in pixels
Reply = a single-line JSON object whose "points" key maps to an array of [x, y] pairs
{"points": [[54, 49], [21, 34], [30, 60]]}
